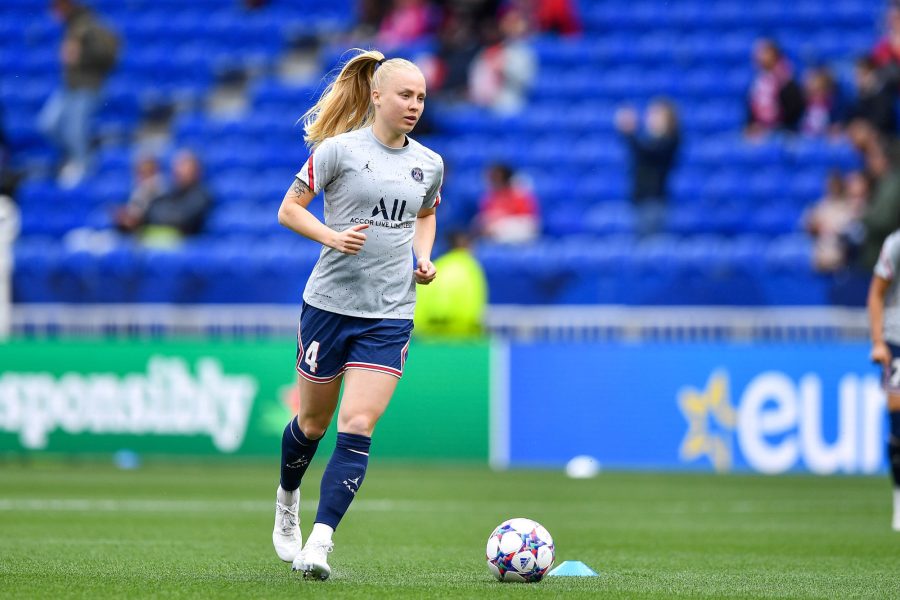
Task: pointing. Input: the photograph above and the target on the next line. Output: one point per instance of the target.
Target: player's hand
(425, 272)
(881, 354)
(350, 241)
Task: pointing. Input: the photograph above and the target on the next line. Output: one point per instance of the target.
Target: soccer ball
(520, 550)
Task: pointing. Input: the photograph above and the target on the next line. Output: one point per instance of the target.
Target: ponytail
(346, 104)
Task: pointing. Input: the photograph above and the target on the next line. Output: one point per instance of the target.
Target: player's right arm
(877, 291)
(294, 215)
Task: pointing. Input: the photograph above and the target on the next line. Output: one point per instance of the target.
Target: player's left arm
(877, 291)
(423, 242)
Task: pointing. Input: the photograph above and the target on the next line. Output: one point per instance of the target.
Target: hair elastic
(381, 61)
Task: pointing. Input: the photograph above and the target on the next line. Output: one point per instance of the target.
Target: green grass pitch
(185, 531)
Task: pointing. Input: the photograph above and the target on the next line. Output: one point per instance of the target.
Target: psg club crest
(417, 174)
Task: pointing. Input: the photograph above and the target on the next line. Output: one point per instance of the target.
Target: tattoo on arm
(300, 188)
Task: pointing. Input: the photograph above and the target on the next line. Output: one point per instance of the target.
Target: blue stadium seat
(599, 219)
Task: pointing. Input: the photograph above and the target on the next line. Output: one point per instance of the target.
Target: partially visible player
(884, 319)
(381, 190)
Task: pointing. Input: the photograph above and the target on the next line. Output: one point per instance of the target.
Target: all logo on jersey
(395, 214)
(386, 215)
(417, 174)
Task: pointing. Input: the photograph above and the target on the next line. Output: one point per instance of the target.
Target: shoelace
(328, 547)
(288, 518)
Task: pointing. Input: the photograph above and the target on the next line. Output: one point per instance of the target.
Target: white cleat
(313, 560)
(896, 524)
(286, 536)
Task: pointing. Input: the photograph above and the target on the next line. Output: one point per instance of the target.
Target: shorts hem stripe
(315, 379)
(374, 367)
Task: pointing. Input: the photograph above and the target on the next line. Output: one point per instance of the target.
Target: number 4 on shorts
(310, 358)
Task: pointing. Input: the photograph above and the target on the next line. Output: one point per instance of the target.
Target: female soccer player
(381, 191)
(884, 318)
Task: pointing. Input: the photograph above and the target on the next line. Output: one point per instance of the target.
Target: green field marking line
(779, 507)
(200, 506)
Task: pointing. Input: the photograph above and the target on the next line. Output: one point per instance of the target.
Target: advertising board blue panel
(768, 408)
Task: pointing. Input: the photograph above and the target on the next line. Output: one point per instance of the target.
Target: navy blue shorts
(329, 343)
(892, 375)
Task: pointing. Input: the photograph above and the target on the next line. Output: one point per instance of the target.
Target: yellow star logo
(701, 408)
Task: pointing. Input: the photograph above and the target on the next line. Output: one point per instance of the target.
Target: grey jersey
(886, 268)
(366, 182)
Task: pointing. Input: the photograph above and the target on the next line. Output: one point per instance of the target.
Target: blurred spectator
(653, 152)
(824, 109)
(775, 99)
(458, 44)
(180, 212)
(508, 212)
(406, 21)
(882, 215)
(501, 75)
(9, 177)
(870, 142)
(10, 225)
(863, 136)
(369, 13)
(828, 220)
(149, 186)
(857, 191)
(88, 53)
(454, 304)
(875, 98)
(886, 53)
(556, 16)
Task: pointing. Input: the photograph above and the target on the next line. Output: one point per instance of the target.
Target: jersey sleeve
(889, 259)
(433, 195)
(322, 166)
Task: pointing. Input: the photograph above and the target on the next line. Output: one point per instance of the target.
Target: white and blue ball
(520, 550)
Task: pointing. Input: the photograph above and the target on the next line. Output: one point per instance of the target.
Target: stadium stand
(732, 236)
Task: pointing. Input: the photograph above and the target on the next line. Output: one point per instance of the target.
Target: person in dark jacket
(653, 154)
(183, 210)
(875, 96)
(775, 99)
(88, 54)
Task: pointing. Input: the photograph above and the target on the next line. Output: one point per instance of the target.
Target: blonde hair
(346, 103)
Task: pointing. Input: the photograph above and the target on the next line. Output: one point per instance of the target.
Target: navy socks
(296, 453)
(343, 477)
(894, 448)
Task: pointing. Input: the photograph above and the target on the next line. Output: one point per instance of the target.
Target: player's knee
(311, 428)
(358, 424)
